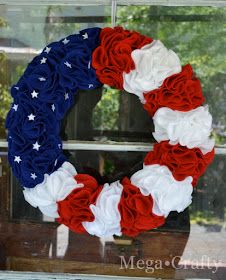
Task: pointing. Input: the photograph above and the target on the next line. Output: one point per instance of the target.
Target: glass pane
(197, 35)
(25, 30)
(109, 115)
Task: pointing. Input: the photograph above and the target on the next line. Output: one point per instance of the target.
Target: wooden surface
(26, 247)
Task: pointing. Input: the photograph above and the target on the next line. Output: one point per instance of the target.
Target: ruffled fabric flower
(191, 129)
(168, 194)
(20, 88)
(180, 92)
(36, 157)
(136, 210)
(62, 98)
(75, 70)
(41, 76)
(43, 120)
(55, 187)
(55, 51)
(180, 160)
(153, 64)
(106, 213)
(63, 101)
(75, 208)
(89, 36)
(113, 56)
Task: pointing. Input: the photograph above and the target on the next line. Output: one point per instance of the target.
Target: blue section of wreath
(42, 96)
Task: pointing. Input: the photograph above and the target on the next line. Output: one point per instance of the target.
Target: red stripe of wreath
(74, 209)
(136, 211)
(181, 161)
(182, 92)
(113, 56)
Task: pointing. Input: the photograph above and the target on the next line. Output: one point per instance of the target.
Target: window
(109, 135)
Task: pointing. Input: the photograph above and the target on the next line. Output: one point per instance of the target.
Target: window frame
(215, 3)
(112, 146)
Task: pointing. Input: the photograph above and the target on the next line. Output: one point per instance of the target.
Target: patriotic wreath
(171, 94)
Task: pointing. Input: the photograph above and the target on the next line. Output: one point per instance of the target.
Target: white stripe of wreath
(55, 187)
(168, 194)
(153, 64)
(191, 129)
(107, 216)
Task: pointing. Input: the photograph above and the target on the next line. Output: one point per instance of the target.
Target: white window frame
(112, 146)
(218, 3)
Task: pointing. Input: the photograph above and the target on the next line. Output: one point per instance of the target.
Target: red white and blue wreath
(171, 94)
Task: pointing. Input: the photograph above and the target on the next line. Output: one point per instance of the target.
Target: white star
(55, 163)
(59, 146)
(85, 36)
(42, 79)
(34, 94)
(67, 64)
(89, 64)
(66, 96)
(17, 159)
(36, 146)
(47, 49)
(15, 107)
(53, 107)
(43, 60)
(33, 176)
(31, 117)
(17, 88)
(65, 41)
(90, 85)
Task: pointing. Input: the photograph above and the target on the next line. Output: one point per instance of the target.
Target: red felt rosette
(74, 209)
(181, 161)
(113, 56)
(136, 211)
(180, 92)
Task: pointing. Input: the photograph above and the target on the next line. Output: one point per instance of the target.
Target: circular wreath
(171, 94)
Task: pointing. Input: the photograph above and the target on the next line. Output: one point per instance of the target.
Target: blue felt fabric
(66, 67)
